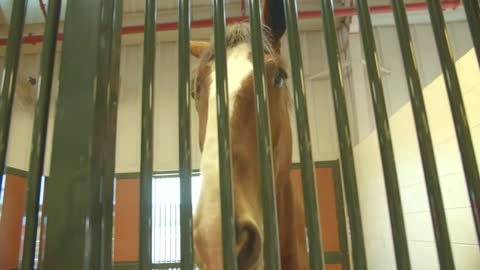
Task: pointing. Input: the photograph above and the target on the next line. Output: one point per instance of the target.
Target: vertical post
(421, 123)
(312, 218)
(9, 79)
(100, 168)
(472, 9)
(224, 147)
(271, 241)
(146, 160)
(112, 21)
(384, 137)
(344, 138)
(462, 129)
(39, 135)
(74, 197)
(186, 235)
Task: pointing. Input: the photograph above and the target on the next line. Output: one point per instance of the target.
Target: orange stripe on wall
(127, 208)
(11, 222)
(327, 205)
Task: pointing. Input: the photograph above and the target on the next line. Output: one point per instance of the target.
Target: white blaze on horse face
(239, 67)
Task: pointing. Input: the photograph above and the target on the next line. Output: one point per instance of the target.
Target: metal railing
(81, 185)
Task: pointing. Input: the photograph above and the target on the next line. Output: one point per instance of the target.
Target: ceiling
(167, 13)
(165, 7)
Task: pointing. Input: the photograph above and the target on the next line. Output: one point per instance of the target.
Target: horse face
(244, 143)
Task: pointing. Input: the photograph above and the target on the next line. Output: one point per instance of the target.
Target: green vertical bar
(462, 130)
(164, 228)
(472, 9)
(9, 79)
(103, 62)
(312, 218)
(186, 235)
(340, 210)
(74, 198)
(271, 242)
(39, 135)
(113, 20)
(384, 137)
(344, 138)
(170, 226)
(146, 162)
(421, 123)
(224, 147)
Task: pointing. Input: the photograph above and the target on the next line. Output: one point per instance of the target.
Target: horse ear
(274, 17)
(197, 48)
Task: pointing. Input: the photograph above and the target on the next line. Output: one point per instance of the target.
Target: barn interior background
(324, 138)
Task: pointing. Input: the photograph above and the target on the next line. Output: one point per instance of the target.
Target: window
(166, 217)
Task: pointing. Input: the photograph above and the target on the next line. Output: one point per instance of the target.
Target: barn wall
(166, 108)
(393, 75)
(166, 111)
(413, 192)
(320, 107)
(324, 137)
(11, 222)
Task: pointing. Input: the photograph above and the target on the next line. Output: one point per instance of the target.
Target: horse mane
(235, 34)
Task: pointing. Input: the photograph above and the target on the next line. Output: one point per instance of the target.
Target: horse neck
(291, 220)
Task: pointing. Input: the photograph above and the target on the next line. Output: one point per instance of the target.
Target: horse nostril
(248, 246)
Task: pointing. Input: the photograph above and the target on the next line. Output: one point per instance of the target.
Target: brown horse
(246, 175)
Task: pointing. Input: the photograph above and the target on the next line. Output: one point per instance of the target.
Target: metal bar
(271, 235)
(224, 146)
(164, 229)
(146, 162)
(312, 217)
(344, 138)
(421, 121)
(9, 79)
(170, 219)
(243, 7)
(154, 221)
(463, 135)
(74, 200)
(472, 9)
(168, 266)
(156, 210)
(306, 14)
(340, 210)
(185, 171)
(39, 136)
(112, 55)
(176, 237)
(101, 126)
(384, 137)
(43, 8)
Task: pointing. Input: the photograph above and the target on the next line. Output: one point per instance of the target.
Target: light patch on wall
(411, 179)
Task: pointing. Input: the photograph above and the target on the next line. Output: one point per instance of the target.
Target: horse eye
(280, 77)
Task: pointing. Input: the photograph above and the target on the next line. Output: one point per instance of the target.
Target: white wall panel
(318, 90)
(21, 123)
(393, 77)
(129, 113)
(320, 108)
(412, 183)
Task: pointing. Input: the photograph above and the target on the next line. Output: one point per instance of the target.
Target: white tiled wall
(418, 222)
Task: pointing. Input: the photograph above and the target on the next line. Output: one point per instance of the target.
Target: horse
(245, 161)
